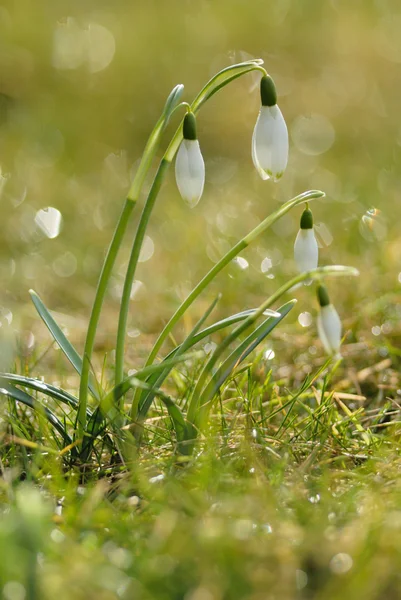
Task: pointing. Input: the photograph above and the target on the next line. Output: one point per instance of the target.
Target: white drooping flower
(270, 136)
(189, 164)
(328, 323)
(306, 251)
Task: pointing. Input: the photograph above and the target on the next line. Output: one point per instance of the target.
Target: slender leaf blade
(61, 339)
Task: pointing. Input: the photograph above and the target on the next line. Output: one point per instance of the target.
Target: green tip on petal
(323, 296)
(268, 94)
(189, 127)
(306, 219)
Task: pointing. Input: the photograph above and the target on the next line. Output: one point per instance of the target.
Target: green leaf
(61, 339)
(157, 380)
(128, 383)
(241, 353)
(21, 396)
(42, 388)
(172, 102)
(224, 77)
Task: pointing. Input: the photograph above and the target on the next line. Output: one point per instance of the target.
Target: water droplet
(241, 262)
(147, 249)
(13, 590)
(314, 499)
(266, 264)
(341, 563)
(269, 354)
(305, 319)
(101, 47)
(372, 225)
(69, 43)
(49, 220)
(133, 333)
(301, 579)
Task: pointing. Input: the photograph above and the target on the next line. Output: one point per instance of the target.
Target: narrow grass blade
(122, 388)
(61, 339)
(157, 380)
(42, 388)
(224, 261)
(21, 396)
(224, 77)
(174, 411)
(172, 103)
(319, 273)
(240, 354)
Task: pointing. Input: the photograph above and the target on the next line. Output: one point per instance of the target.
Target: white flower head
(306, 251)
(328, 323)
(189, 164)
(270, 136)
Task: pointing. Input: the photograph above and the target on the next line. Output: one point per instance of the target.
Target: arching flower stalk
(306, 251)
(270, 136)
(189, 164)
(328, 323)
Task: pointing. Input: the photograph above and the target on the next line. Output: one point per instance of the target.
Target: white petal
(329, 329)
(306, 251)
(270, 143)
(190, 171)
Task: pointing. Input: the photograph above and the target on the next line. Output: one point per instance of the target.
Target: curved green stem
(227, 258)
(132, 197)
(216, 83)
(307, 275)
(95, 314)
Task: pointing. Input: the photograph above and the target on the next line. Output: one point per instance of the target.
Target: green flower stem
(95, 314)
(216, 83)
(133, 262)
(318, 273)
(227, 258)
(132, 197)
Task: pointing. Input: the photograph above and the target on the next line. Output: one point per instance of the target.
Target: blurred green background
(82, 84)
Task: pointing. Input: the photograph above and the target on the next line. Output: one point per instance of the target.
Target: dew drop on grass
(147, 249)
(266, 264)
(301, 579)
(341, 563)
(372, 225)
(134, 333)
(101, 47)
(305, 319)
(49, 221)
(13, 590)
(241, 262)
(267, 528)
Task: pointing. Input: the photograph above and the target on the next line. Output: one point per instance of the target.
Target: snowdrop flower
(328, 323)
(189, 165)
(270, 136)
(306, 251)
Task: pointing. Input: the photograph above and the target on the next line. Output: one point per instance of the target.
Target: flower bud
(306, 251)
(328, 323)
(270, 136)
(189, 164)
